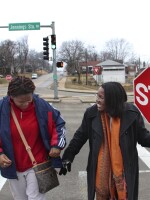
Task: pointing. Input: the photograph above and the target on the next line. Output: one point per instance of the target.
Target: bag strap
(28, 148)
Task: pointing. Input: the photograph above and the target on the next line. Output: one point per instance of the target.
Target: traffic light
(53, 41)
(46, 48)
(59, 64)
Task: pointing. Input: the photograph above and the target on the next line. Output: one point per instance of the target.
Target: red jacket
(47, 122)
(29, 125)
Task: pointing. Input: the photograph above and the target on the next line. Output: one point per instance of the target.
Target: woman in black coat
(113, 128)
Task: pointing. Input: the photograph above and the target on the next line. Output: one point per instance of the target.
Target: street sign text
(24, 26)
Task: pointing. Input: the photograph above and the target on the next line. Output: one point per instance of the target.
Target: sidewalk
(61, 87)
(84, 99)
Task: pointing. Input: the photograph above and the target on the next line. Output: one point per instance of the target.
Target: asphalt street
(72, 105)
(73, 185)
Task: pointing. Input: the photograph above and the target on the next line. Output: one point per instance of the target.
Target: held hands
(65, 168)
(54, 152)
(66, 165)
(4, 161)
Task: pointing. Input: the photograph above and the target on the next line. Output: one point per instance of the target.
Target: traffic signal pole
(37, 26)
(46, 48)
(54, 66)
(53, 47)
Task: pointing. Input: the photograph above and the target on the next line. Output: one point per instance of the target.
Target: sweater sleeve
(57, 130)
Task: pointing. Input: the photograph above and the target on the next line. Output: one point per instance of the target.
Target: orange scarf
(110, 180)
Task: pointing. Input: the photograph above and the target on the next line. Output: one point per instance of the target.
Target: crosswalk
(77, 182)
(143, 153)
(2, 182)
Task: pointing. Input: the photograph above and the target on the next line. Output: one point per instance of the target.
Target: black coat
(132, 131)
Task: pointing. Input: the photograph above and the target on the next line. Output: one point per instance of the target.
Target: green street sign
(24, 26)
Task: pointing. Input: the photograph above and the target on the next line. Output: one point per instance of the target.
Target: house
(112, 71)
(131, 69)
(89, 65)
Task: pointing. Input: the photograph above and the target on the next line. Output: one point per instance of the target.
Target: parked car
(34, 76)
(1, 76)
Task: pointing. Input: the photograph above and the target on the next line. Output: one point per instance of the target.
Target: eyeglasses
(99, 97)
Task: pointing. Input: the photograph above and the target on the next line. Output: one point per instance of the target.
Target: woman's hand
(4, 161)
(54, 152)
(65, 168)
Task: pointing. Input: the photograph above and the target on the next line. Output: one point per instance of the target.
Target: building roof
(89, 63)
(109, 63)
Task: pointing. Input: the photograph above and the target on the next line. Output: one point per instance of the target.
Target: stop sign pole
(142, 93)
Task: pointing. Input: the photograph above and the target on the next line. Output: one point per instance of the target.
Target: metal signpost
(36, 26)
(97, 70)
(54, 65)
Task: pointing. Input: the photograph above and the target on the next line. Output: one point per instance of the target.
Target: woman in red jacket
(43, 128)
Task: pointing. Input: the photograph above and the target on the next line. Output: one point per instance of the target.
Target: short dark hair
(115, 97)
(20, 85)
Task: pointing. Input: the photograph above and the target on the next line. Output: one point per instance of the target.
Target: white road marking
(144, 171)
(2, 182)
(144, 155)
(83, 184)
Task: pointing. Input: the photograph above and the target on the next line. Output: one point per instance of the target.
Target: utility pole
(139, 63)
(86, 66)
(54, 65)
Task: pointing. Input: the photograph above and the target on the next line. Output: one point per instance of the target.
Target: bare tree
(7, 54)
(104, 55)
(133, 58)
(36, 62)
(119, 49)
(92, 54)
(15, 57)
(22, 49)
(72, 52)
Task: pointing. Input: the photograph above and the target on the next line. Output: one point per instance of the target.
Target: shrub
(74, 80)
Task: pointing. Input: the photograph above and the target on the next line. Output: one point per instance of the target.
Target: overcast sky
(94, 22)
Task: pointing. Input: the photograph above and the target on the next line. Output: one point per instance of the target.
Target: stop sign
(142, 93)
(97, 70)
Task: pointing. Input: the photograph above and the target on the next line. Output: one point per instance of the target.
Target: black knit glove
(65, 168)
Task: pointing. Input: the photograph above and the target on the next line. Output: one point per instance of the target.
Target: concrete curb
(82, 99)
